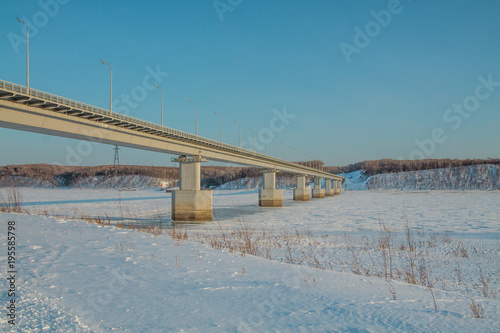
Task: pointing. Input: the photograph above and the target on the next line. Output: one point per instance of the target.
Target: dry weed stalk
(410, 248)
(392, 290)
(477, 309)
(385, 245)
(484, 287)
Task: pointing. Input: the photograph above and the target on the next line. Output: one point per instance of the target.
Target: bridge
(31, 110)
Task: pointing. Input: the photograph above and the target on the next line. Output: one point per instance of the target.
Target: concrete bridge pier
(190, 203)
(318, 192)
(337, 186)
(301, 193)
(269, 196)
(329, 190)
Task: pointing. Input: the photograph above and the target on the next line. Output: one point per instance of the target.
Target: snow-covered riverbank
(80, 277)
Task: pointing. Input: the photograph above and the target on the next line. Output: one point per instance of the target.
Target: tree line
(390, 165)
(217, 175)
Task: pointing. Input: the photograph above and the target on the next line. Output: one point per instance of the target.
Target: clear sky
(351, 80)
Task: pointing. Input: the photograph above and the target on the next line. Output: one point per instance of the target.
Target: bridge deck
(37, 102)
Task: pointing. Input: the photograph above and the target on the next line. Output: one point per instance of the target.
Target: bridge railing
(23, 90)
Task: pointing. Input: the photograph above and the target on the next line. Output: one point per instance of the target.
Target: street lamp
(196, 115)
(281, 143)
(217, 114)
(157, 86)
(27, 54)
(111, 84)
(239, 126)
(254, 140)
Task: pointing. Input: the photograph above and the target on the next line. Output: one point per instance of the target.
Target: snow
(80, 277)
(355, 180)
(474, 177)
(256, 182)
(95, 182)
(129, 181)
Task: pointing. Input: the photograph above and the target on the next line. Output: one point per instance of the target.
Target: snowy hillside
(130, 181)
(96, 182)
(355, 180)
(475, 177)
(19, 181)
(256, 182)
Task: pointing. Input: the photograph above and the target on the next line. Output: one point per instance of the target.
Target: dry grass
(402, 255)
(409, 273)
(178, 235)
(459, 250)
(386, 245)
(243, 239)
(11, 201)
(96, 220)
(477, 309)
(391, 254)
(484, 284)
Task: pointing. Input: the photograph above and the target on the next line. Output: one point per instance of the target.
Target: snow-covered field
(327, 272)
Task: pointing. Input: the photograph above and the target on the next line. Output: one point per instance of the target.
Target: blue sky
(248, 60)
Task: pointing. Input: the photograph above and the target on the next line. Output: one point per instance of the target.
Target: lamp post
(111, 84)
(218, 114)
(254, 140)
(27, 54)
(157, 86)
(196, 115)
(281, 143)
(239, 127)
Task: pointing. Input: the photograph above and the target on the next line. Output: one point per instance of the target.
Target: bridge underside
(47, 122)
(34, 119)
(190, 203)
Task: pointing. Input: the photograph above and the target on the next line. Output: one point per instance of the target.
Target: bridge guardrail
(19, 89)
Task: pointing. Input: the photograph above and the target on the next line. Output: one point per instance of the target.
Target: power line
(117, 157)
